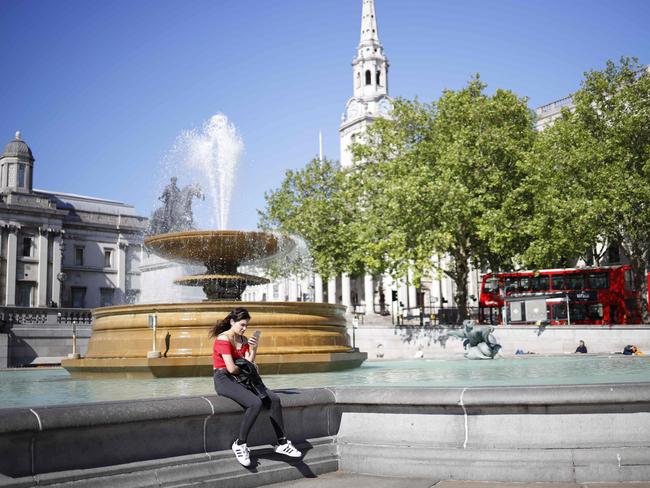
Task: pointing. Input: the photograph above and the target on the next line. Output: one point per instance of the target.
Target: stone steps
(220, 469)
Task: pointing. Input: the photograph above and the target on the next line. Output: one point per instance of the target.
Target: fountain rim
(250, 246)
(197, 233)
(253, 307)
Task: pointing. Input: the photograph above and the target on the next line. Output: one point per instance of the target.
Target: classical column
(368, 291)
(318, 288)
(41, 300)
(331, 290)
(412, 291)
(12, 255)
(293, 290)
(57, 257)
(345, 290)
(121, 271)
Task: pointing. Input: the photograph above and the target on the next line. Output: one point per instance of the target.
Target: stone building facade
(63, 250)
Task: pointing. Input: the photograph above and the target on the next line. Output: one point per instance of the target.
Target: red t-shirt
(222, 346)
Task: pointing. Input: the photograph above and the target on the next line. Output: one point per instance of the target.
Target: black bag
(250, 378)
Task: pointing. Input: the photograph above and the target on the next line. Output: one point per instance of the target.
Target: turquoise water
(38, 387)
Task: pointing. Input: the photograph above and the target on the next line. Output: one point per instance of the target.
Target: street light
(74, 354)
(153, 322)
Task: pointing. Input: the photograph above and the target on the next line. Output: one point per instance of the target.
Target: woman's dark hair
(240, 313)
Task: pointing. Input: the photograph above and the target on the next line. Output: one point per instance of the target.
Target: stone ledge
(596, 432)
(501, 465)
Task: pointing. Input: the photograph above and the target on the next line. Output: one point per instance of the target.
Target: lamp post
(74, 354)
(153, 322)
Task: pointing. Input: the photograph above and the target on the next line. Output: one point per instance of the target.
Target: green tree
(432, 181)
(589, 174)
(311, 203)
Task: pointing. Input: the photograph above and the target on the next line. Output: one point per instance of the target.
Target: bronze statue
(478, 340)
(176, 213)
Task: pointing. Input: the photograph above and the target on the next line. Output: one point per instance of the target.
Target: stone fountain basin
(202, 247)
(297, 337)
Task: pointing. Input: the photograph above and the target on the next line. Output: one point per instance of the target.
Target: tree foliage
(589, 174)
(311, 203)
(433, 178)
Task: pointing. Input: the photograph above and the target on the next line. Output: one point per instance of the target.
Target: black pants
(226, 386)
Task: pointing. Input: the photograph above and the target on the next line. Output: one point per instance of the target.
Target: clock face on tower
(385, 106)
(355, 109)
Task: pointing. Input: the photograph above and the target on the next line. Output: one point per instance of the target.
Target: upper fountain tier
(219, 250)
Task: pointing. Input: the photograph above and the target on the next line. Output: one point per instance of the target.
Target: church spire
(370, 84)
(369, 32)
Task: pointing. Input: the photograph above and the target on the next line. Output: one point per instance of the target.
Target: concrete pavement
(340, 479)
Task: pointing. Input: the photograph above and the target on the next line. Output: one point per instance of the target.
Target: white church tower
(370, 82)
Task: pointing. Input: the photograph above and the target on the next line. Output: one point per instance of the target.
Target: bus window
(558, 311)
(557, 282)
(578, 311)
(629, 282)
(524, 283)
(595, 311)
(598, 281)
(491, 285)
(539, 283)
(574, 282)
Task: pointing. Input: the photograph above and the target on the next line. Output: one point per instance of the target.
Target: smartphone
(257, 335)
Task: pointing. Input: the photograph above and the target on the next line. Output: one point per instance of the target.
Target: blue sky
(102, 89)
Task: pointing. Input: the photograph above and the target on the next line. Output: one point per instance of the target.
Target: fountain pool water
(21, 388)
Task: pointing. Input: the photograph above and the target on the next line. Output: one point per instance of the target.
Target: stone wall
(404, 342)
(556, 434)
(42, 335)
(32, 346)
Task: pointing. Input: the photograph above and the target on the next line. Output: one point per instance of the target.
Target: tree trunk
(460, 275)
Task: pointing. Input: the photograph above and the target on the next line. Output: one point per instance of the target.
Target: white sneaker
(242, 453)
(288, 450)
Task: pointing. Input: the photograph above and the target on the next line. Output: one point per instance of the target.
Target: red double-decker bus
(560, 296)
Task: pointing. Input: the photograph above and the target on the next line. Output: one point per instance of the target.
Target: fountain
(297, 337)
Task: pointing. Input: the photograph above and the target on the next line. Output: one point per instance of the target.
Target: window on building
(368, 77)
(78, 296)
(358, 80)
(108, 258)
(79, 256)
(21, 176)
(614, 254)
(106, 297)
(378, 78)
(27, 246)
(25, 294)
(276, 291)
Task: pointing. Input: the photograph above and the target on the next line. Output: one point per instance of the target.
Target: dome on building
(18, 149)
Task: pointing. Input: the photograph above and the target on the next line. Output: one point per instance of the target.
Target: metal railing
(434, 315)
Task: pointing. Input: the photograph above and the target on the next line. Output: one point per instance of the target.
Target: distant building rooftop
(89, 204)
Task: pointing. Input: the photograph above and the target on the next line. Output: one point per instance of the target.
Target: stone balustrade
(46, 316)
